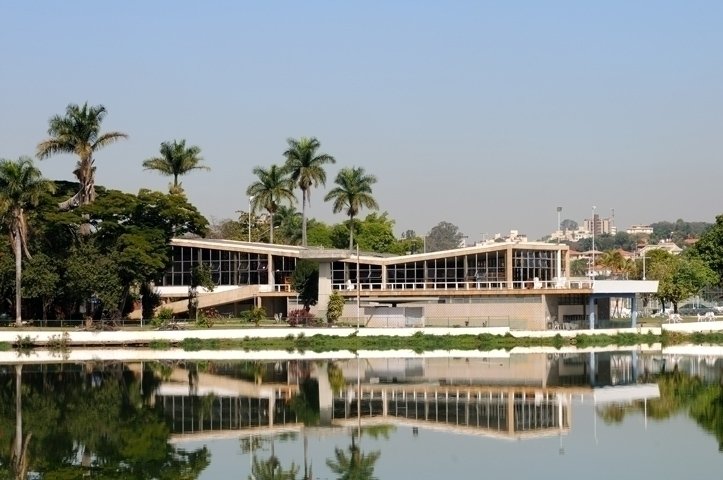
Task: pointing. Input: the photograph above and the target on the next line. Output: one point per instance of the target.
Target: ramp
(209, 299)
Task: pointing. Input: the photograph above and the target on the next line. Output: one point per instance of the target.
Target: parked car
(691, 309)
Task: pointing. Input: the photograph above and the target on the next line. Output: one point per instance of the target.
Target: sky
(488, 115)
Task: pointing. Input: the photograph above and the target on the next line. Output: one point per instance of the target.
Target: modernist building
(518, 285)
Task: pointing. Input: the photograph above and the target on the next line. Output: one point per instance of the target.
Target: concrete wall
(506, 313)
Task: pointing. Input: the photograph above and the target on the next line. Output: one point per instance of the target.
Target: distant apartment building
(600, 226)
(640, 230)
(513, 237)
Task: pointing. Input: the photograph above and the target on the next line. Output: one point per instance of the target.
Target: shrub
(300, 316)
(334, 308)
(255, 315)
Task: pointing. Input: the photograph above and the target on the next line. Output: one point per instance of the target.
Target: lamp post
(250, 200)
(592, 223)
(358, 294)
(559, 227)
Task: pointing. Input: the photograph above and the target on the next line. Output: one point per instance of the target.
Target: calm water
(622, 414)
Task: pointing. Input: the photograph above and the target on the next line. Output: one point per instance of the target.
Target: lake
(630, 413)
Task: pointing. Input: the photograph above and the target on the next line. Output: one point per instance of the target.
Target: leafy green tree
(21, 185)
(376, 233)
(679, 276)
(710, 247)
(443, 236)
(568, 224)
(334, 308)
(227, 229)
(578, 267)
(78, 132)
(200, 277)
(305, 281)
(352, 193)
(320, 234)
(176, 159)
(306, 168)
(42, 281)
(89, 274)
(274, 186)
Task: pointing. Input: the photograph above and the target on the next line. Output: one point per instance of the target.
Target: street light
(250, 200)
(559, 227)
(358, 293)
(592, 222)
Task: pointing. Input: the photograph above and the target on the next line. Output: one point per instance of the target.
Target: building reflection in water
(506, 396)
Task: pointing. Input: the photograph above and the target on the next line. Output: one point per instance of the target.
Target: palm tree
(307, 170)
(272, 187)
(21, 186)
(176, 159)
(353, 192)
(271, 469)
(356, 465)
(78, 132)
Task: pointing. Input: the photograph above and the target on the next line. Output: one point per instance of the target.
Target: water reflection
(156, 419)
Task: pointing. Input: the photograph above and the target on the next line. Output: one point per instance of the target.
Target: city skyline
(486, 115)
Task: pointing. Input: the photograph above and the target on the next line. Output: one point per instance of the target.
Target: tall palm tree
(21, 186)
(274, 185)
(353, 192)
(306, 168)
(78, 132)
(176, 159)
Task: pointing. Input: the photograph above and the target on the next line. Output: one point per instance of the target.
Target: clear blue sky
(488, 115)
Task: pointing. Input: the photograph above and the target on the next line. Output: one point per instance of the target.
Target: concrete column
(510, 412)
(591, 311)
(508, 266)
(324, 285)
(272, 271)
(558, 259)
(384, 277)
(593, 369)
(567, 263)
(634, 310)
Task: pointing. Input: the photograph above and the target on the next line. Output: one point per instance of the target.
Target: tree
(272, 187)
(271, 469)
(200, 277)
(42, 281)
(614, 260)
(710, 247)
(176, 159)
(21, 185)
(578, 267)
(78, 132)
(289, 222)
(306, 168)
(679, 276)
(443, 236)
(354, 466)
(353, 192)
(568, 224)
(305, 281)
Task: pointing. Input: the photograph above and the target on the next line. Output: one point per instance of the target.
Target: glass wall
(227, 268)
(533, 268)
